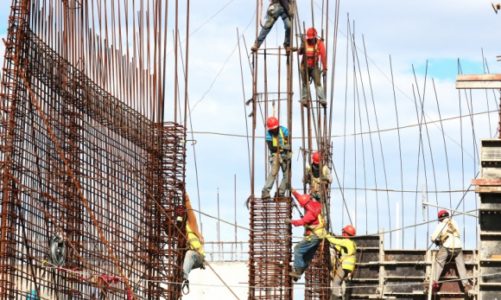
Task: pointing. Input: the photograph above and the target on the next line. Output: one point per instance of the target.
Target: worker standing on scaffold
(343, 259)
(276, 9)
(314, 176)
(313, 49)
(446, 236)
(277, 139)
(314, 225)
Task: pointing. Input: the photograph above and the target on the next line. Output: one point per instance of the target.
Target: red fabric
(312, 210)
(313, 56)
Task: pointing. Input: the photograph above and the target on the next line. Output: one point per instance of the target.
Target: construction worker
(313, 176)
(277, 139)
(343, 259)
(276, 9)
(313, 49)
(447, 237)
(195, 256)
(314, 224)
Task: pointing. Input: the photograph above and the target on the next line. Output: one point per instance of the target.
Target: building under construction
(93, 163)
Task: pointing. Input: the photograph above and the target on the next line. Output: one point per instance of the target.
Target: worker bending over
(343, 259)
(447, 237)
(314, 225)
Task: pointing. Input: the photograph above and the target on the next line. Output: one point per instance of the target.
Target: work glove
(324, 73)
(287, 221)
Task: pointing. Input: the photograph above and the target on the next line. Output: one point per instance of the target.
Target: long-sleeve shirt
(447, 232)
(313, 53)
(346, 249)
(312, 219)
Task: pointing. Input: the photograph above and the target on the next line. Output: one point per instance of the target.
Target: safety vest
(347, 249)
(311, 54)
(317, 229)
(450, 230)
(275, 140)
(193, 241)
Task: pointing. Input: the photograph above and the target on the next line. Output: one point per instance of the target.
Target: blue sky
(412, 33)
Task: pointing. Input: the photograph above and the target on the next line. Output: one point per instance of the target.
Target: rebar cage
(89, 186)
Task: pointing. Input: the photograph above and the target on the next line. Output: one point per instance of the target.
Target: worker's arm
(309, 217)
(438, 231)
(326, 174)
(322, 54)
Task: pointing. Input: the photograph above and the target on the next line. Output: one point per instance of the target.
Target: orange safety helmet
(442, 214)
(272, 123)
(349, 230)
(315, 157)
(311, 33)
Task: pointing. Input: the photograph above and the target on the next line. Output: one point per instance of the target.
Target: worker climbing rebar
(314, 224)
(447, 237)
(312, 50)
(277, 139)
(314, 176)
(276, 9)
(343, 259)
(195, 256)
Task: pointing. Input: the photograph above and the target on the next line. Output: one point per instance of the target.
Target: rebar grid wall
(269, 249)
(79, 163)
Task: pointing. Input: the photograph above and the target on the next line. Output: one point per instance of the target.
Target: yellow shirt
(193, 241)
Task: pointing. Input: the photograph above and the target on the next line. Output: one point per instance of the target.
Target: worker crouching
(343, 259)
(314, 224)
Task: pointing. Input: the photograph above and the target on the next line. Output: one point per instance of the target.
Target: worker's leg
(284, 184)
(304, 251)
(271, 18)
(270, 180)
(440, 262)
(287, 27)
(458, 253)
(318, 85)
(336, 292)
(305, 79)
(189, 261)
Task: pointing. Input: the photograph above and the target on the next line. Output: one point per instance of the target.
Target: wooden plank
(478, 81)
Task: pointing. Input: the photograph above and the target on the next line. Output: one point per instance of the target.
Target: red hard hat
(349, 230)
(272, 123)
(443, 213)
(311, 33)
(315, 157)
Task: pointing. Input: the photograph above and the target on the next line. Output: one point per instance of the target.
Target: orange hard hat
(271, 123)
(311, 33)
(349, 230)
(315, 157)
(443, 213)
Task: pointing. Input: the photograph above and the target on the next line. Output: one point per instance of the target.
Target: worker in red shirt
(313, 50)
(314, 225)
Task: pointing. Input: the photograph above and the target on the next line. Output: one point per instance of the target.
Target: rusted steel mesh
(79, 164)
(270, 249)
(317, 278)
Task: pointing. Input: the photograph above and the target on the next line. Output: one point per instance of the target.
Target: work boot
(296, 274)
(434, 287)
(304, 103)
(467, 288)
(185, 287)
(322, 102)
(254, 47)
(265, 195)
